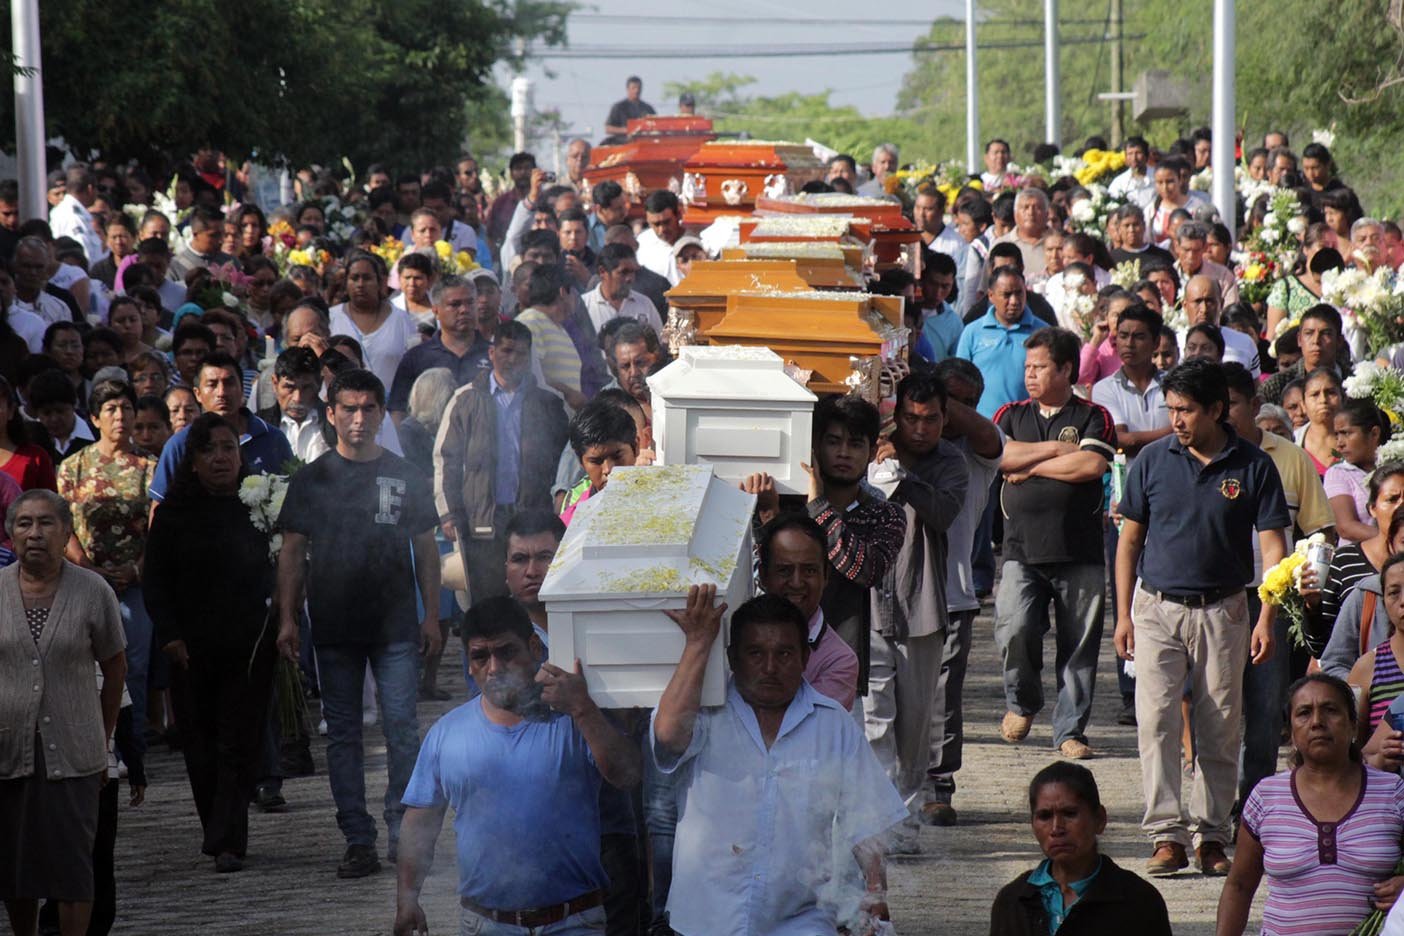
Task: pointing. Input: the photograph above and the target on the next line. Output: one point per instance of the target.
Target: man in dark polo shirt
(1058, 449)
(456, 345)
(1191, 504)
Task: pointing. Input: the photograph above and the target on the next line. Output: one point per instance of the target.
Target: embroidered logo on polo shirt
(1069, 434)
(1231, 489)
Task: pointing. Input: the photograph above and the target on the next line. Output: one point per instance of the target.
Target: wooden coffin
(727, 176)
(839, 337)
(891, 232)
(703, 293)
(651, 158)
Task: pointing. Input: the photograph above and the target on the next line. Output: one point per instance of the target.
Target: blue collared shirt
(1200, 518)
(998, 350)
(1051, 892)
(770, 832)
(509, 440)
(265, 450)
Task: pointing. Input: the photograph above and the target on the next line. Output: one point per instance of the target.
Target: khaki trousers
(1210, 646)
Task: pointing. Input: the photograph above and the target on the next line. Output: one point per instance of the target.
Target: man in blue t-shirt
(521, 764)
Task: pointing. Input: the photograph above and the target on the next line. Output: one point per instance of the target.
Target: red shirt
(31, 468)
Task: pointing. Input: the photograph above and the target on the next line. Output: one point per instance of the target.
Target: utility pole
(1053, 104)
(972, 94)
(29, 109)
(521, 99)
(1118, 128)
(1223, 129)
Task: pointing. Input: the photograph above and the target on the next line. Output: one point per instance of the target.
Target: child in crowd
(1360, 430)
(604, 437)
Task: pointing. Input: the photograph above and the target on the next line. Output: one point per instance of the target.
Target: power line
(791, 21)
(797, 50)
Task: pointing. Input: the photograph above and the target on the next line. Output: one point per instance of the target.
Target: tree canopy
(295, 80)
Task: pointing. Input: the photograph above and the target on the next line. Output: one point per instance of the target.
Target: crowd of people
(261, 466)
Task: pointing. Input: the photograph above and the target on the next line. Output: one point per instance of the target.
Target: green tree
(792, 116)
(1298, 61)
(295, 80)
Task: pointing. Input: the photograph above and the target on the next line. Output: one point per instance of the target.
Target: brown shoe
(1073, 749)
(1015, 728)
(1168, 858)
(1211, 859)
(938, 814)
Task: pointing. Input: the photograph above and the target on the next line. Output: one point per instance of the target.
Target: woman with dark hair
(1361, 428)
(250, 225)
(1353, 562)
(1204, 341)
(1326, 833)
(208, 596)
(1301, 289)
(106, 483)
(1323, 394)
(20, 458)
(1076, 890)
(1341, 208)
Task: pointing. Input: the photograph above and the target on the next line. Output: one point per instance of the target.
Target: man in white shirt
(884, 162)
(297, 379)
(1135, 185)
(1030, 226)
(996, 174)
(70, 217)
(1204, 303)
(664, 216)
(31, 264)
(776, 788)
(1191, 243)
(615, 297)
(438, 198)
(929, 215)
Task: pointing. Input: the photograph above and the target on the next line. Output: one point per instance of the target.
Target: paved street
(289, 887)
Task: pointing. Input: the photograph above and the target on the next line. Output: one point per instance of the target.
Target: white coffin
(736, 409)
(631, 552)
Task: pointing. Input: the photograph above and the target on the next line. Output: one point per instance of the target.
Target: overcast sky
(584, 88)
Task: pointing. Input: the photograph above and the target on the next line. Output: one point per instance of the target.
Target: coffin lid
(729, 372)
(652, 533)
(753, 154)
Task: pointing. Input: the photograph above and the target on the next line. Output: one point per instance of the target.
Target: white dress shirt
(769, 832)
(306, 439)
(636, 306)
(49, 308)
(657, 255)
(29, 327)
(1139, 190)
(70, 219)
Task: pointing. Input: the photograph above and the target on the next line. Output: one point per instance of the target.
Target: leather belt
(1196, 600)
(538, 916)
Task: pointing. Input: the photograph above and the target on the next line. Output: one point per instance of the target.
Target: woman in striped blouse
(1327, 833)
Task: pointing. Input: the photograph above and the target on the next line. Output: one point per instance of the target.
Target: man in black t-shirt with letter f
(358, 532)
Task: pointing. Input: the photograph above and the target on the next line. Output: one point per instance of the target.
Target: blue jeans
(1078, 595)
(577, 924)
(1264, 704)
(140, 639)
(660, 799)
(342, 668)
(1125, 683)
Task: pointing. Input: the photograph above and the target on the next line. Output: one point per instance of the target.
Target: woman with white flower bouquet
(209, 584)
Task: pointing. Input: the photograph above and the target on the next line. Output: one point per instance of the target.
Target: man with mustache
(522, 766)
(774, 785)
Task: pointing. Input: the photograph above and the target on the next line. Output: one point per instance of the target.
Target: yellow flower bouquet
(1282, 587)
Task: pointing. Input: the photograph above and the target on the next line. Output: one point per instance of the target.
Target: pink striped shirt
(1321, 875)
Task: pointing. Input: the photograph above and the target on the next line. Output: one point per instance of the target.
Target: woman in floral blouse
(106, 485)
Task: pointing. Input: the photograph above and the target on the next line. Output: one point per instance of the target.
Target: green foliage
(300, 80)
(1296, 59)
(792, 116)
